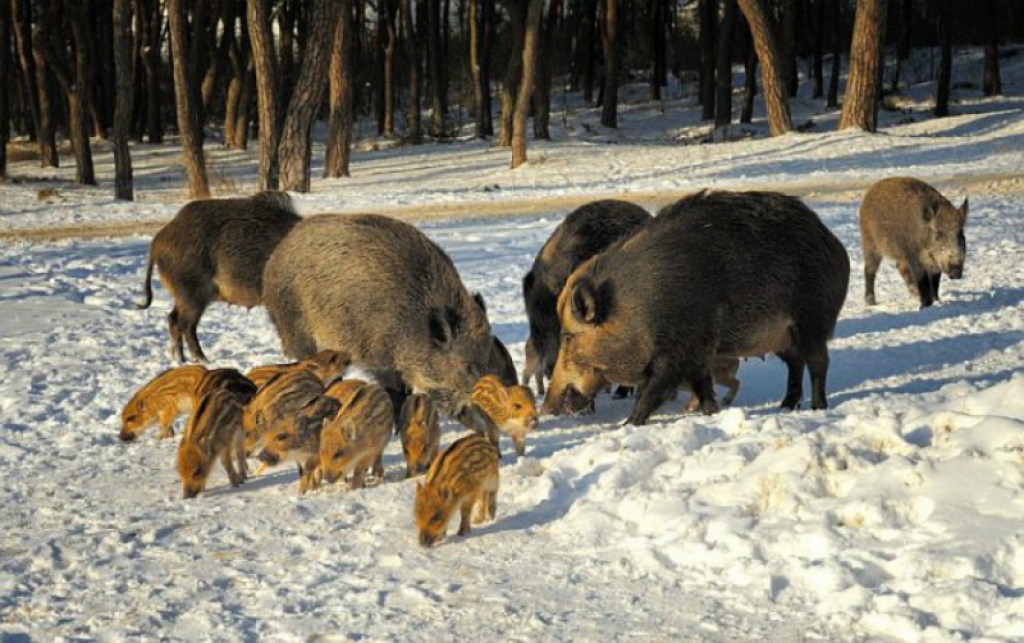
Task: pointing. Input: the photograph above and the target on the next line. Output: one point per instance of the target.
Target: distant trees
(231, 72)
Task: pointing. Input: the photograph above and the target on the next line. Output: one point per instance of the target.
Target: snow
(897, 515)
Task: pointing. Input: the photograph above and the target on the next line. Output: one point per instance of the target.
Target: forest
(234, 72)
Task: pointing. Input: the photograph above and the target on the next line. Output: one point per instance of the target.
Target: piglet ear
(964, 208)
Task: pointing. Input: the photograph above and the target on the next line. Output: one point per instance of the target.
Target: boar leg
(166, 421)
(653, 393)
(492, 504)
(917, 282)
(817, 364)
(190, 323)
(794, 380)
(177, 341)
(935, 285)
(240, 456)
(357, 480)
(229, 466)
(466, 510)
(872, 259)
(734, 387)
(378, 467)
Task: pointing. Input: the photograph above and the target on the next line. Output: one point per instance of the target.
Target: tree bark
(609, 43)
(479, 60)
(790, 46)
(5, 67)
(707, 14)
(779, 121)
(860, 104)
(295, 149)
(236, 67)
(533, 15)
(586, 56)
(103, 78)
(818, 63)
(413, 122)
(152, 24)
(542, 76)
(513, 71)
(723, 73)
(122, 42)
(342, 98)
(187, 103)
(837, 54)
(262, 41)
(946, 61)
(391, 35)
(657, 30)
(22, 28)
(993, 84)
(749, 76)
(438, 106)
(46, 130)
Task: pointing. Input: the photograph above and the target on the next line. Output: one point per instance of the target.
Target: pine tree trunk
(47, 129)
(532, 34)
(186, 103)
(513, 71)
(389, 71)
(104, 76)
(152, 22)
(946, 62)
(993, 84)
(236, 69)
(779, 121)
(609, 43)
(342, 98)
(657, 25)
(542, 76)
(122, 43)
(286, 15)
(262, 41)
(413, 122)
(295, 148)
(434, 54)
(707, 13)
(837, 54)
(790, 48)
(818, 62)
(487, 36)
(475, 38)
(723, 73)
(586, 55)
(749, 76)
(22, 28)
(860, 103)
(213, 71)
(5, 67)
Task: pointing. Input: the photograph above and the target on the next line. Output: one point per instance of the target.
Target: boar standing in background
(377, 289)
(717, 274)
(585, 232)
(908, 221)
(215, 250)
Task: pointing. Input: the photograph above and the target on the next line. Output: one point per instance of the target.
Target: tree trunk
(266, 89)
(707, 14)
(586, 48)
(286, 15)
(413, 123)
(122, 42)
(723, 74)
(860, 104)
(47, 129)
(993, 85)
(818, 63)
(946, 62)
(481, 93)
(152, 23)
(779, 121)
(295, 149)
(103, 80)
(529, 65)
(837, 54)
(186, 103)
(389, 70)
(22, 27)
(790, 46)
(542, 77)
(342, 98)
(5, 67)
(434, 45)
(236, 68)
(609, 42)
(657, 27)
(213, 70)
(749, 76)
(513, 71)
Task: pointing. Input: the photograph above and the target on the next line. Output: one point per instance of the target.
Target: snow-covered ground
(897, 515)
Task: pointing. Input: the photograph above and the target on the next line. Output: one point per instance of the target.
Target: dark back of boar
(909, 222)
(378, 290)
(729, 274)
(585, 232)
(215, 250)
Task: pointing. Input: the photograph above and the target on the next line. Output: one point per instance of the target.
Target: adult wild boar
(717, 274)
(908, 221)
(215, 250)
(381, 292)
(585, 232)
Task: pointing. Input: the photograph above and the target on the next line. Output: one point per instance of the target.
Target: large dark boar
(715, 275)
(381, 292)
(215, 250)
(586, 231)
(909, 222)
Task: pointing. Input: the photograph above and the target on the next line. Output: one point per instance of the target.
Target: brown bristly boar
(908, 221)
(509, 409)
(464, 477)
(327, 365)
(160, 401)
(420, 429)
(277, 401)
(353, 441)
(297, 439)
(214, 430)
(215, 250)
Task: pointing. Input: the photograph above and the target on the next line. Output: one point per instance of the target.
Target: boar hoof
(870, 300)
(790, 404)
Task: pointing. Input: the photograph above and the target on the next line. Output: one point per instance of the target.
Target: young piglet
(463, 477)
(298, 439)
(213, 430)
(420, 429)
(160, 401)
(354, 440)
(326, 365)
(509, 409)
(277, 401)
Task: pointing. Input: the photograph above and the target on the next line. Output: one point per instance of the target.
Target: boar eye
(437, 517)
(198, 471)
(517, 407)
(340, 453)
(282, 436)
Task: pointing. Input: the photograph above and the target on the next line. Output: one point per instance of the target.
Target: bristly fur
(464, 477)
(160, 401)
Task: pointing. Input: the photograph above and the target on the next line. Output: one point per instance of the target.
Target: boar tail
(148, 284)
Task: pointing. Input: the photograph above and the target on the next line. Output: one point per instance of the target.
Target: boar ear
(928, 213)
(591, 303)
(444, 326)
(479, 299)
(964, 208)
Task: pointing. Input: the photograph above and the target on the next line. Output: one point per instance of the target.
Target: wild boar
(160, 401)
(354, 440)
(585, 232)
(420, 429)
(297, 438)
(464, 477)
(380, 291)
(213, 430)
(508, 409)
(908, 221)
(277, 401)
(717, 274)
(215, 250)
(327, 365)
(225, 378)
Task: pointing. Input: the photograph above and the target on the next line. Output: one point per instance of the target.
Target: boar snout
(268, 458)
(188, 493)
(428, 539)
(956, 271)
